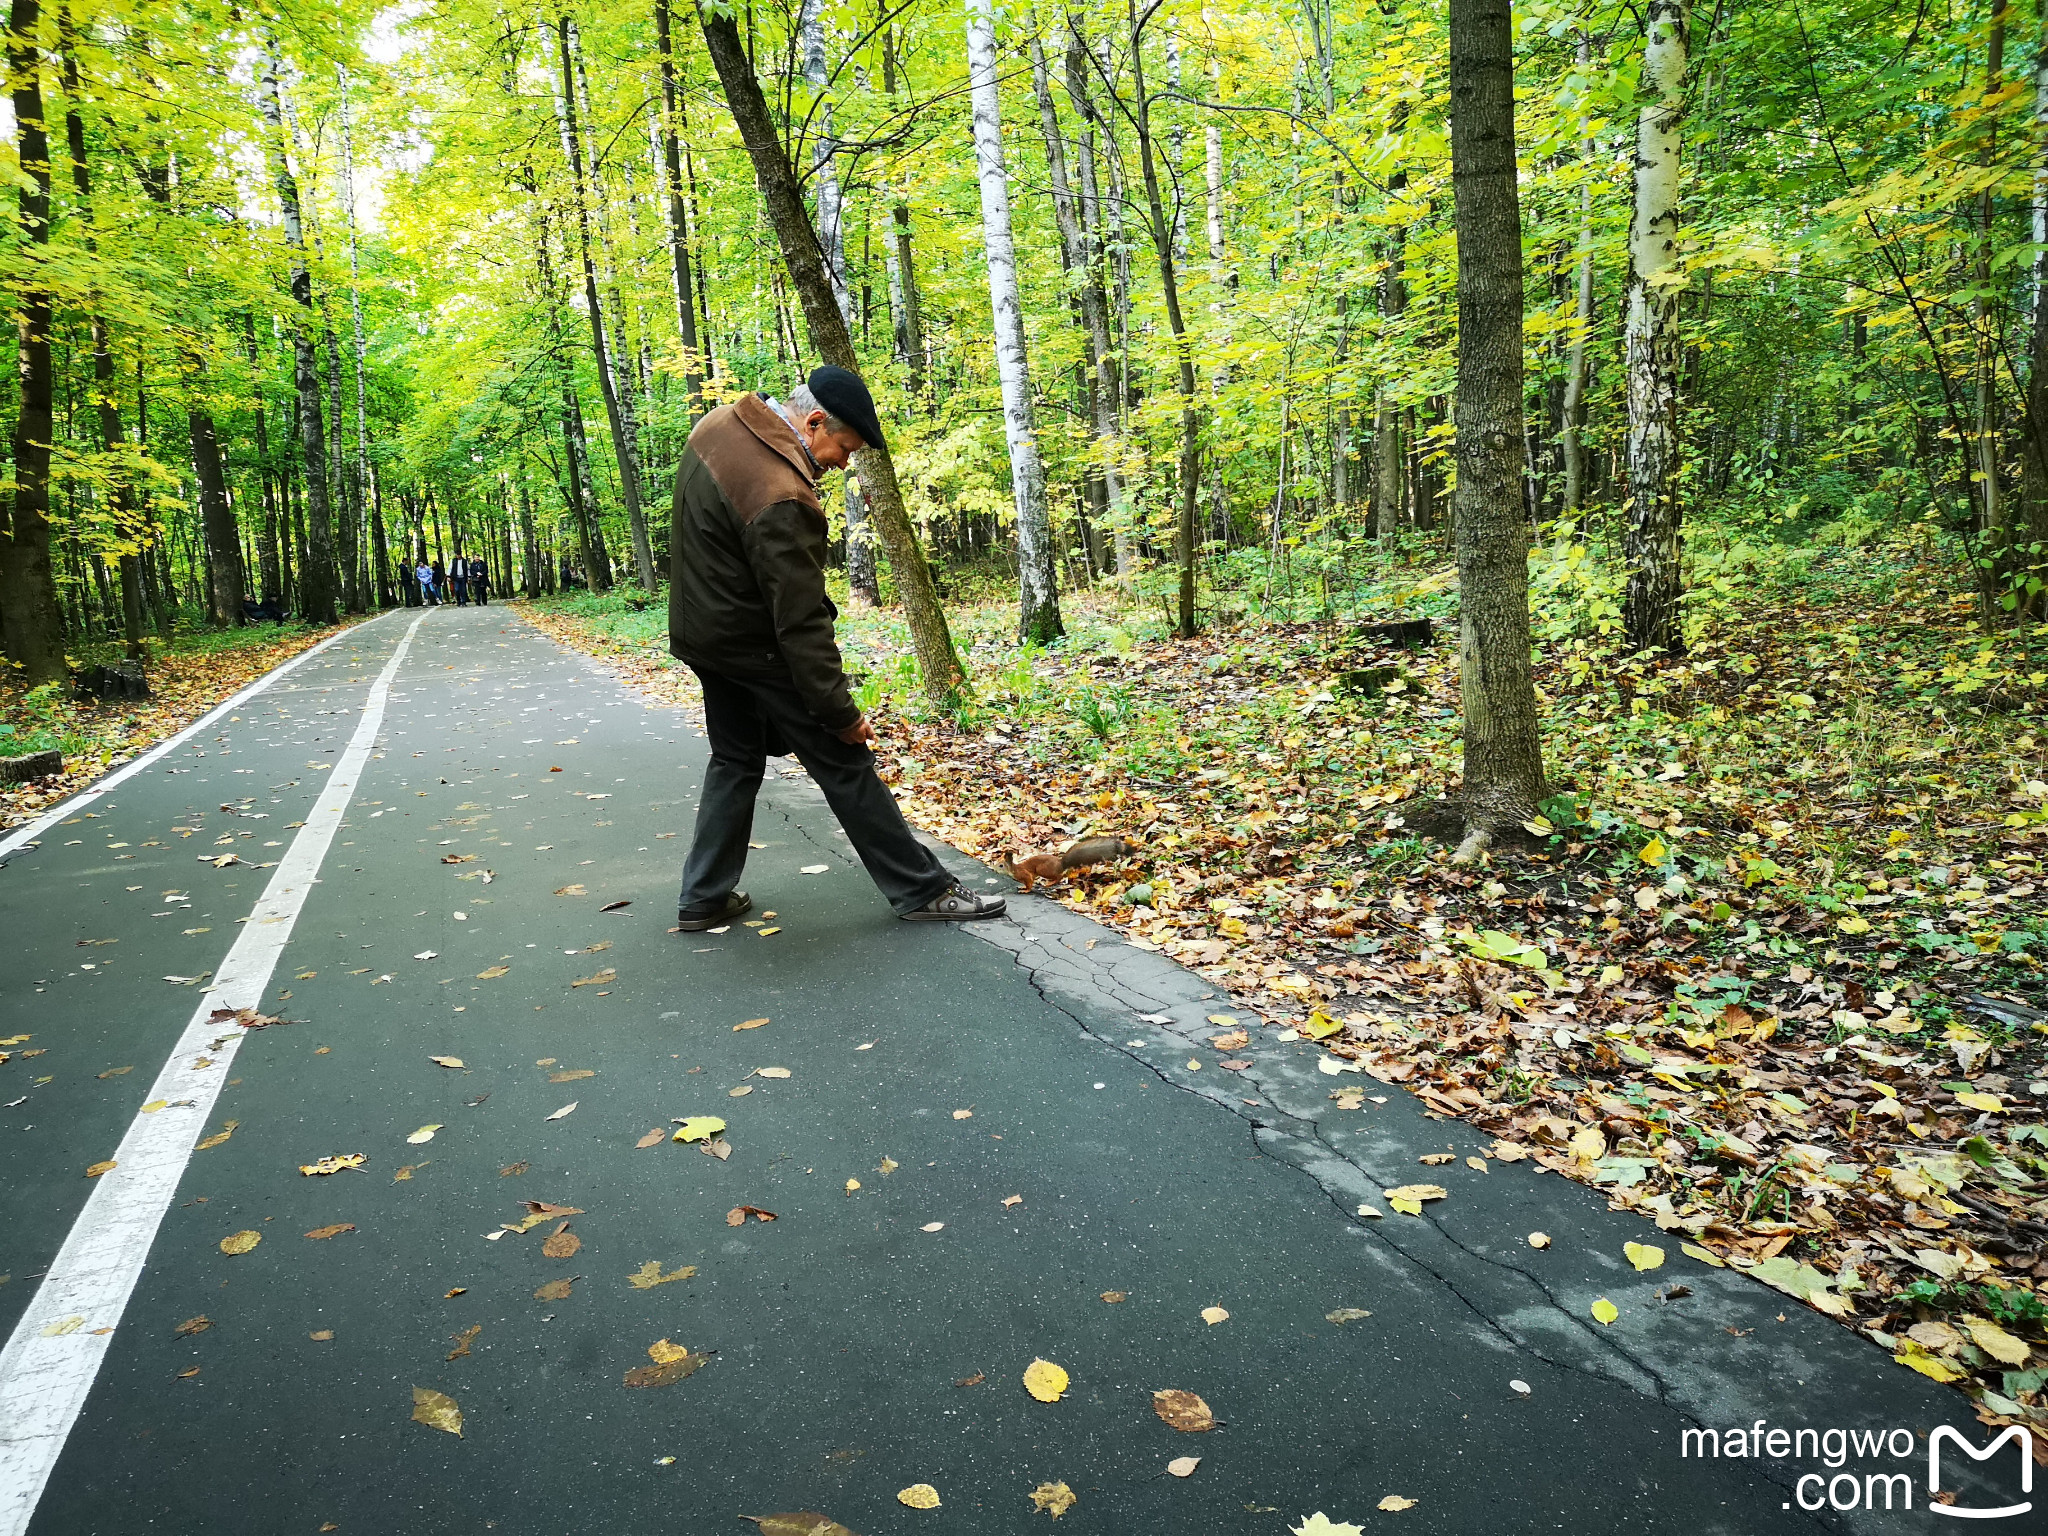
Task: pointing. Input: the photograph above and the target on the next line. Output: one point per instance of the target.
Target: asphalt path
(969, 1138)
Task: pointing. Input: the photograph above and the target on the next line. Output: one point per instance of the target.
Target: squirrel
(1030, 868)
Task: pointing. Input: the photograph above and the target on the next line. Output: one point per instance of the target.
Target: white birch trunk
(1037, 575)
(1651, 610)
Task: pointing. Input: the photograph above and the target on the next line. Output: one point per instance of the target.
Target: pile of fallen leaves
(101, 734)
(1768, 969)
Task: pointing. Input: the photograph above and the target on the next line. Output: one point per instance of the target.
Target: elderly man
(747, 610)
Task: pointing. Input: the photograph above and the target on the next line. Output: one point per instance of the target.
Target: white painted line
(49, 1364)
(86, 796)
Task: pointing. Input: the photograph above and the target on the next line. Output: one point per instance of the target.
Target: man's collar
(817, 469)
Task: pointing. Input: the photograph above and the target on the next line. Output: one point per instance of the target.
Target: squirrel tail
(1094, 850)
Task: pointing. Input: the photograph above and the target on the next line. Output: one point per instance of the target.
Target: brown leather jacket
(746, 593)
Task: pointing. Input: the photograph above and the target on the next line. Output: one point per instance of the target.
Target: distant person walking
(748, 611)
(458, 575)
(424, 574)
(480, 581)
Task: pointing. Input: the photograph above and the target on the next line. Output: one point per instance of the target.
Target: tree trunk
(678, 221)
(783, 198)
(1572, 424)
(382, 593)
(1109, 359)
(905, 306)
(1650, 612)
(860, 559)
(217, 517)
(31, 618)
(1086, 274)
(112, 438)
(1183, 345)
(2035, 414)
(269, 571)
(318, 592)
(1503, 773)
(1996, 568)
(623, 447)
(1390, 460)
(1038, 611)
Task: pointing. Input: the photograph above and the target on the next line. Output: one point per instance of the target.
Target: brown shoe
(694, 920)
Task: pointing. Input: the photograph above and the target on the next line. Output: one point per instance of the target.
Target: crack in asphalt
(1663, 1394)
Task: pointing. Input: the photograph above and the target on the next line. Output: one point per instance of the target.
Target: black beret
(840, 392)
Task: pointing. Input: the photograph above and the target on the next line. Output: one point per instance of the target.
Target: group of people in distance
(467, 576)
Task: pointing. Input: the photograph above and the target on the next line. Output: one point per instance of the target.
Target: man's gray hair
(802, 402)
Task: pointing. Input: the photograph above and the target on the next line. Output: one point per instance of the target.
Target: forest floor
(188, 675)
(1769, 971)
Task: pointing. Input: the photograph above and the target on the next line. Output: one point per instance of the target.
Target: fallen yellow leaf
(1214, 1315)
(1054, 1498)
(424, 1133)
(1393, 1503)
(1605, 1311)
(1644, 1256)
(699, 1128)
(436, 1410)
(336, 1164)
(919, 1496)
(446, 1061)
(1045, 1381)
(240, 1242)
(649, 1275)
(99, 1168)
(1183, 1466)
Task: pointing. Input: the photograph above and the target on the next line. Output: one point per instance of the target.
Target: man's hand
(858, 734)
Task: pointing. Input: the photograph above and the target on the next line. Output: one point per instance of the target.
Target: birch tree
(1650, 611)
(1038, 603)
(1503, 774)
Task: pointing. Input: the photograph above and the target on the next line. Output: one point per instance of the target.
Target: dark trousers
(461, 585)
(481, 586)
(743, 719)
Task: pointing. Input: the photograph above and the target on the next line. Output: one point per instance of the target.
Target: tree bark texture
(782, 197)
(1038, 614)
(31, 618)
(318, 584)
(1503, 752)
(1651, 615)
